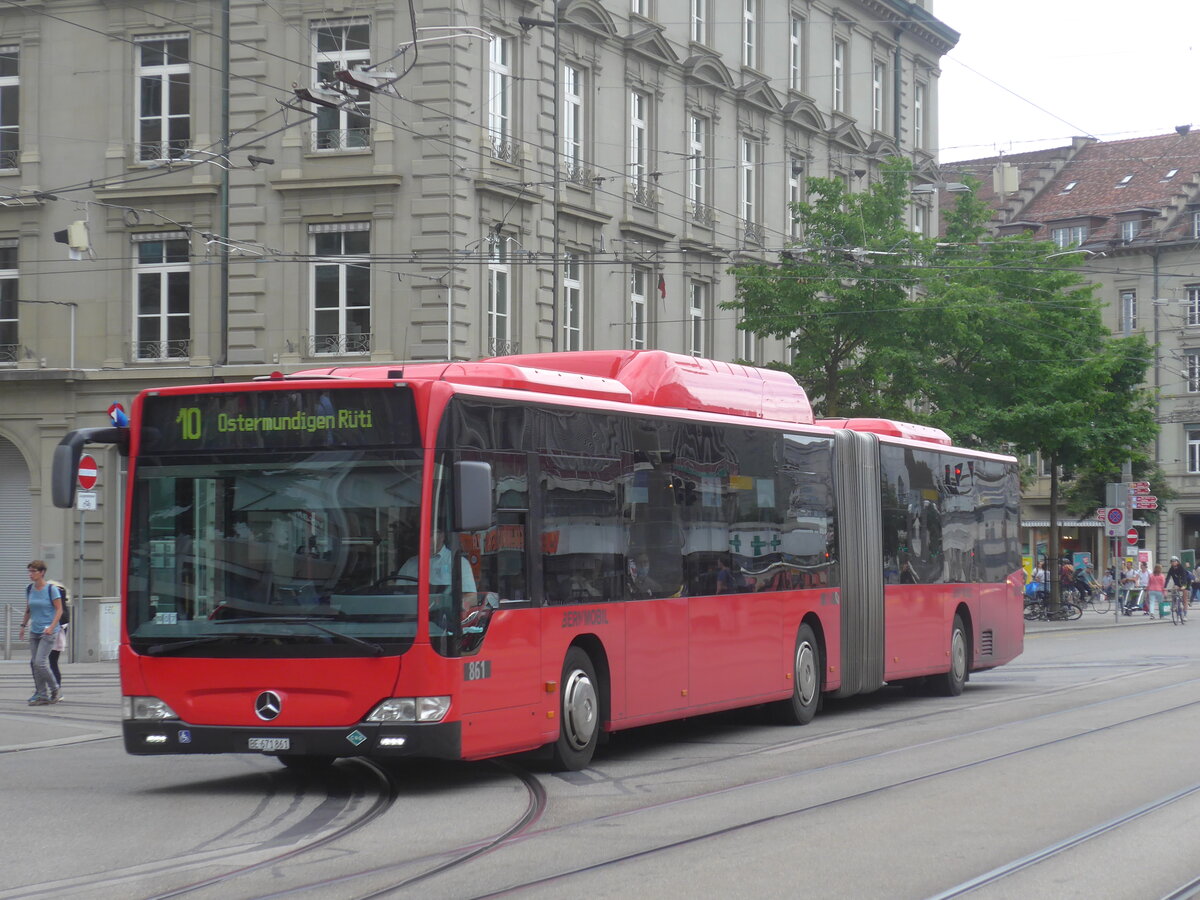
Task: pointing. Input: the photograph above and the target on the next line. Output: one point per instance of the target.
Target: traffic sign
(1131, 537)
(1139, 487)
(85, 500)
(1145, 502)
(88, 472)
(1114, 521)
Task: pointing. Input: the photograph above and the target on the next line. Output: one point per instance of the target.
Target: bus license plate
(270, 743)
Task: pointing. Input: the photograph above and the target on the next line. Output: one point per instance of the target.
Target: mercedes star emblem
(267, 705)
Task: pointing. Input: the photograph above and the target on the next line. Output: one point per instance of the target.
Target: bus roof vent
(677, 381)
(504, 373)
(891, 428)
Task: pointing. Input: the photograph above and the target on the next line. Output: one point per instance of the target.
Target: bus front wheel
(579, 713)
(800, 708)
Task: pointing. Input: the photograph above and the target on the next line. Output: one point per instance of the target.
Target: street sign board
(85, 500)
(1139, 487)
(88, 472)
(1131, 537)
(1114, 522)
(1145, 503)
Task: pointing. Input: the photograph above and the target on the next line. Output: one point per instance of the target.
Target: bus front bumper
(435, 741)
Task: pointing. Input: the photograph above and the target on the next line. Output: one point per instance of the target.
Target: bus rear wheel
(800, 708)
(579, 713)
(951, 683)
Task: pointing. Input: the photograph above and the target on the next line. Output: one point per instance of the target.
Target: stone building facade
(509, 177)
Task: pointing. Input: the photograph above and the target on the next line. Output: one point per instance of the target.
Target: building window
(796, 55)
(748, 163)
(700, 21)
(747, 345)
(1130, 229)
(750, 33)
(795, 195)
(920, 219)
(697, 164)
(637, 308)
(639, 6)
(697, 317)
(10, 108)
(572, 304)
(1193, 449)
(1193, 305)
(500, 98)
(919, 116)
(1128, 310)
(341, 289)
(1196, 225)
(639, 148)
(341, 46)
(1193, 372)
(572, 123)
(9, 321)
(1072, 236)
(164, 125)
(499, 298)
(878, 86)
(839, 75)
(162, 291)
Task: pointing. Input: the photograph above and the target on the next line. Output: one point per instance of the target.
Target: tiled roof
(1153, 180)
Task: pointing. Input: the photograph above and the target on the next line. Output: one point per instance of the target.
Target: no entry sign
(1131, 536)
(88, 472)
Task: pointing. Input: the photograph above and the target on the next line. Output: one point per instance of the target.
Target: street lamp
(527, 22)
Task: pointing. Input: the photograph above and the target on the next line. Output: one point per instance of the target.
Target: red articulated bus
(463, 560)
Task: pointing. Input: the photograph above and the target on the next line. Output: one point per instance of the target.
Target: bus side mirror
(472, 495)
(66, 459)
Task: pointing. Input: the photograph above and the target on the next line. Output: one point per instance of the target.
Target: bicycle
(1096, 600)
(1178, 608)
(1041, 609)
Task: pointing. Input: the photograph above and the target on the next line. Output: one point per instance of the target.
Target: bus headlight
(146, 708)
(411, 709)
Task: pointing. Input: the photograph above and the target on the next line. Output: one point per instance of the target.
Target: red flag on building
(662, 287)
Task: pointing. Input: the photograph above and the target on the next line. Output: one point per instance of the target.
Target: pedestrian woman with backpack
(43, 610)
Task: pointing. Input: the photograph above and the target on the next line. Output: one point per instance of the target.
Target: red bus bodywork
(654, 659)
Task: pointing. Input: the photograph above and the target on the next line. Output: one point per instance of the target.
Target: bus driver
(440, 560)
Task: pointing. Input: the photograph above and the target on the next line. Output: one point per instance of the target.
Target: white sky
(1029, 74)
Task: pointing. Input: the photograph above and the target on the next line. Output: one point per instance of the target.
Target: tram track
(1107, 827)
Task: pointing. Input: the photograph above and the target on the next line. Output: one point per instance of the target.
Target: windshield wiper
(375, 649)
(163, 649)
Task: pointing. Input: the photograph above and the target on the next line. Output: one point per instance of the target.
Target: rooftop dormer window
(1171, 174)
(1068, 187)
(1124, 181)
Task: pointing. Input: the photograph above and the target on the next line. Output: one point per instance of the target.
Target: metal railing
(10, 353)
(149, 351)
(335, 139)
(702, 215)
(643, 194)
(338, 344)
(498, 347)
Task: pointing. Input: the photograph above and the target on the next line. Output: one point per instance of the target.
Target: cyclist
(1178, 576)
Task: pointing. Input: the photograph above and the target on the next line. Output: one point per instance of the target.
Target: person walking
(1156, 587)
(43, 609)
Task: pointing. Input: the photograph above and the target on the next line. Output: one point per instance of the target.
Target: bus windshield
(274, 555)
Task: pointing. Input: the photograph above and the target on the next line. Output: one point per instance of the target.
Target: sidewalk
(90, 711)
(1091, 621)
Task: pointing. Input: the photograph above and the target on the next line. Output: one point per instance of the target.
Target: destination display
(330, 418)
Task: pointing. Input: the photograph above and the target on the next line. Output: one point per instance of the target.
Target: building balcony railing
(500, 347)
(338, 344)
(701, 214)
(333, 140)
(504, 148)
(154, 351)
(752, 232)
(154, 151)
(10, 159)
(643, 194)
(10, 353)
(579, 175)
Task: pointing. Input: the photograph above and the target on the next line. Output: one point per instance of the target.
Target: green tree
(1024, 358)
(836, 296)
